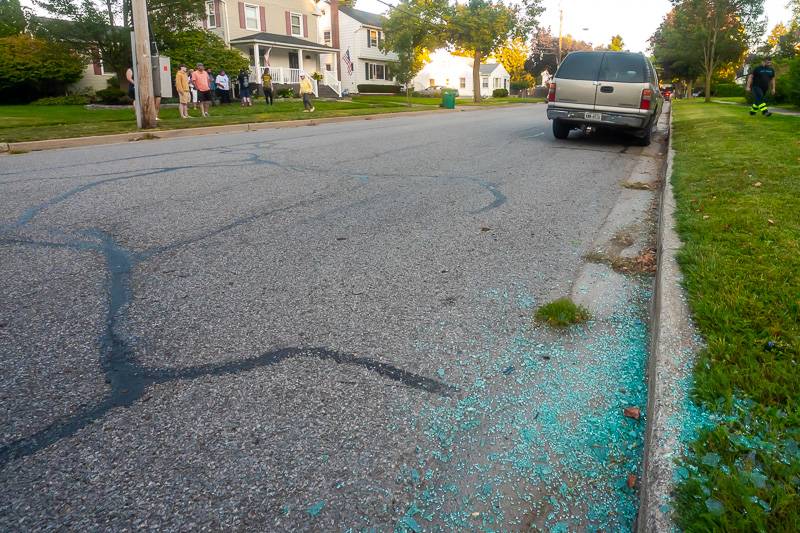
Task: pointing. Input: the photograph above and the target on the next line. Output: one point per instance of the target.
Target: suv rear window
(580, 66)
(624, 68)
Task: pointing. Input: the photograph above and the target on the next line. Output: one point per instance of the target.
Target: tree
(544, 51)
(412, 28)
(675, 52)
(102, 28)
(512, 55)
(31, 68)
(718, 31)
(481, 26)
(199, 46)
(617, 45)
(12, 18)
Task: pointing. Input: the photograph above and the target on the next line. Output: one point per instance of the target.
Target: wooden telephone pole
(144, 69)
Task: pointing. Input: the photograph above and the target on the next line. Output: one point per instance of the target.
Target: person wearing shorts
(192, 89)
(201, 82)
(182, 86)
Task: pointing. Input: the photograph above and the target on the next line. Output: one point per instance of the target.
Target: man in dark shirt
(761, 80)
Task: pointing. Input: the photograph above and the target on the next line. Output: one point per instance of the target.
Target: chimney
(335, 35)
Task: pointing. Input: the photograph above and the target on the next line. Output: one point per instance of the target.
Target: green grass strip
(737, 185)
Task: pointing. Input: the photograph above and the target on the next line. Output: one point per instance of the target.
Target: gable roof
(364, 17)
(488, 69)
(281, 39)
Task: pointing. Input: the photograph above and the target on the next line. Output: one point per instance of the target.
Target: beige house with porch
(282, 35)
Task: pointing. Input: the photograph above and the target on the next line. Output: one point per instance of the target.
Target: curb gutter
(72, 142)
(672, 350)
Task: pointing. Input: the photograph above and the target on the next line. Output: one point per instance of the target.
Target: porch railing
(329, 78)
(287, 76)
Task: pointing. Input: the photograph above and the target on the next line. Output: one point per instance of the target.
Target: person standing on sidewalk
(266, 83)
(761, 80)
(306, 91)
(201, 82)
(223, 87)
(182, 86)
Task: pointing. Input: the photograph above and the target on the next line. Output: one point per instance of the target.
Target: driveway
(315, 328)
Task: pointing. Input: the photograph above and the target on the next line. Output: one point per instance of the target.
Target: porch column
(257, 54)
(300, 59)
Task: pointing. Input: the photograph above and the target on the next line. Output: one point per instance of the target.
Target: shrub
(728, 89)
(792, 81)
(113, 96)
(317, 76)
(520, 85)
(500, 93)
(375, 88)
(194, 46)
(72, 99)
(286, 92)
(31, 68)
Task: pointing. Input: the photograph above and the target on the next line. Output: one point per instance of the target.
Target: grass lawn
(741, 100)
(32, 123)
(737, 185)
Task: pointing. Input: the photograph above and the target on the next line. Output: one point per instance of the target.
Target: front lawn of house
(737, 185)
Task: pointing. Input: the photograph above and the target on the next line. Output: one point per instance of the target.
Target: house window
(326, 36)
(462, 83)
(485, 83)
(372, 38)
(211, 15)
(498, 83)
(297, 25)
(376, 72)
(328, 67)
(251, 17)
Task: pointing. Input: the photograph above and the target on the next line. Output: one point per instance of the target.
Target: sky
(596, 21)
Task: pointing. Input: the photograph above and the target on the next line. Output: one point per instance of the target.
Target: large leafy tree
(512, 55)
(199, 46)
(12, 18)
(675, 52)
(32, 67)
(544, 50)
(480, 27)
(102, 27)
(717, 32)
(412, 28)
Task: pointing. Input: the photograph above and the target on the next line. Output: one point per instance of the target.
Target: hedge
(375, 88)
(32, 68)
(500, 93)
(728, 89)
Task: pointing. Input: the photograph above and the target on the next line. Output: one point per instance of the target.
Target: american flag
(348, 61)
(266, 57)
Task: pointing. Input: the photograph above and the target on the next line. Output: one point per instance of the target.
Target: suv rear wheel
(645, 136)
(560, 129)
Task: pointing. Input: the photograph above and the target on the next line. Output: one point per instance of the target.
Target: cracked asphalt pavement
(235, 331)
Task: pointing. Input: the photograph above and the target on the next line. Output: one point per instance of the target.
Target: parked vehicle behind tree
(610, 89)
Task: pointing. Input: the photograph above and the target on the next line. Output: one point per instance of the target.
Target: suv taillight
(551, 94)
(647, 95)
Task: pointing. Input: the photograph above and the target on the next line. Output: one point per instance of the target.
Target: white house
(360, 39)
(449, 70)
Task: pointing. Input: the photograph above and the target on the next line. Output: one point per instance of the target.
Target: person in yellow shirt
(182, 86)
(306, 91)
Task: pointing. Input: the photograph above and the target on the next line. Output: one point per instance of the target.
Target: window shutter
(305, 25)
(288, 23)
(366, 67)
(241, 16)
(369, 42)
(262, 11)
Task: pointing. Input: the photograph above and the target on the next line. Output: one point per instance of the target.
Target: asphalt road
(259, 330)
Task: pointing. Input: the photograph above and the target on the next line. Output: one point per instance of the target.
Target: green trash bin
(448, 99)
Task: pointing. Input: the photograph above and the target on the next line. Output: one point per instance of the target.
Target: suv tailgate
(575, 80)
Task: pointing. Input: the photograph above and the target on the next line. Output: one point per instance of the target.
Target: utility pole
(143, 65)
(560, 28)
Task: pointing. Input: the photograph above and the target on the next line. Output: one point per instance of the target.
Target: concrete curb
(672, 350)
(72, 142)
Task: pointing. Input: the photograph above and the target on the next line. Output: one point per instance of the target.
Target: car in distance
(616, 90)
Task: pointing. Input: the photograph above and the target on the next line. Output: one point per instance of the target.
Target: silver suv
(608, 89)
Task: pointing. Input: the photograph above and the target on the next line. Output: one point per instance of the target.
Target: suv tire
(560, 129)
(645, 136)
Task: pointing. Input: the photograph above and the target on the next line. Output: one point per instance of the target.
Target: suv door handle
(606, 89)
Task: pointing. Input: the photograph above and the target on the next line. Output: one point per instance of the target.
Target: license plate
(594, 116)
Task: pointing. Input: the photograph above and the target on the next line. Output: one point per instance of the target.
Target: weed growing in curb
(562, 313)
